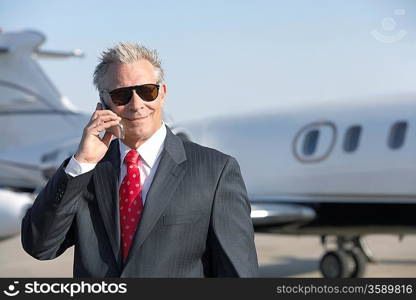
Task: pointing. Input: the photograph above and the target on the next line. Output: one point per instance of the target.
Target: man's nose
(136, 102)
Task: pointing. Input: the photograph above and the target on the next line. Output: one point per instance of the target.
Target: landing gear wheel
(360, 261)
(336, 264)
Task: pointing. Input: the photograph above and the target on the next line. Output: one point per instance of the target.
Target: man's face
(140, 119)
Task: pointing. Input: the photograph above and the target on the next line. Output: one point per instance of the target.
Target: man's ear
(163, 89)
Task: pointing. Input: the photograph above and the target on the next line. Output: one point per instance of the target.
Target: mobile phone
(103, 104)
(118, 130)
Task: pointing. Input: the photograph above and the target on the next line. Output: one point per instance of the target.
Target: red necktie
(131, 204)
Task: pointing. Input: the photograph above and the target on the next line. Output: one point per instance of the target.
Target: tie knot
(132, 157)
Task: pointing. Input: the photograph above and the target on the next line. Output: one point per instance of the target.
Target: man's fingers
(103, 126)
(107, 118)
(103, 114)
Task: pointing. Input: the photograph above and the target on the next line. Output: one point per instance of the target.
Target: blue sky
(230, 57)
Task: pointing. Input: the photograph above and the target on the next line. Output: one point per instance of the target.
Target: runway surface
(279, 256)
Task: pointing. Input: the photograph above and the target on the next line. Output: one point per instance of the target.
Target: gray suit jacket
(196, 220)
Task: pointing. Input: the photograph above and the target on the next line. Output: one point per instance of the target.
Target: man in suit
(147, 204)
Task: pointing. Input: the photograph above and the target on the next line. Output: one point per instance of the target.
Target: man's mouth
(137, 118)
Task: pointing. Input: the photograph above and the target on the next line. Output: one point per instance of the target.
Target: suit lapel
(106, 179)
(167, 178)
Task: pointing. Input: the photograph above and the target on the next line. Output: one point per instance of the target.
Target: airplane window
(310, 142)
(397, 135)
(314, 141)
(352, 138)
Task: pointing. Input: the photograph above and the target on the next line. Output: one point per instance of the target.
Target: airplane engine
(13, 207)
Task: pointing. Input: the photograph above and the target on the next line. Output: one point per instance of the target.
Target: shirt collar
(149, 150)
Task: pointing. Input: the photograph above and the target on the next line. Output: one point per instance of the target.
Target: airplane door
(314, 142)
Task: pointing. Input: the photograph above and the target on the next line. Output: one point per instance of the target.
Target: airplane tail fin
(31, 108)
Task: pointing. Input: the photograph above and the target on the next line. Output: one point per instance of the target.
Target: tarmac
(278, 255)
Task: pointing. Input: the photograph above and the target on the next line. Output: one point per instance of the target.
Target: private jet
(338, 170)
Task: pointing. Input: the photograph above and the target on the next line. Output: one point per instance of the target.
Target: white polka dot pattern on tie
(130, 192)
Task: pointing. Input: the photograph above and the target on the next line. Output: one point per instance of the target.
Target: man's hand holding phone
(92, 148)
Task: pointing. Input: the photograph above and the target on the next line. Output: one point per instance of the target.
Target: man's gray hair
(126, 53)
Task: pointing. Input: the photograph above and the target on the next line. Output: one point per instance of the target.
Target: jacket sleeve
(48, 226)
(232, 251)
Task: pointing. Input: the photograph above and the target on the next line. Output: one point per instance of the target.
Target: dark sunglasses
(122, 96)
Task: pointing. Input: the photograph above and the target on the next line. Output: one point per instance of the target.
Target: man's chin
(138, 134)
(136, 131)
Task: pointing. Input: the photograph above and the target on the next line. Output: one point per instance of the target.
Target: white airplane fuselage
(369, 189)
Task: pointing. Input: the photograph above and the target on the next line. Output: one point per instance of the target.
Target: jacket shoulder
(194, 150)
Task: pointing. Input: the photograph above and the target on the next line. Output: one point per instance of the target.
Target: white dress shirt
(149, 156)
